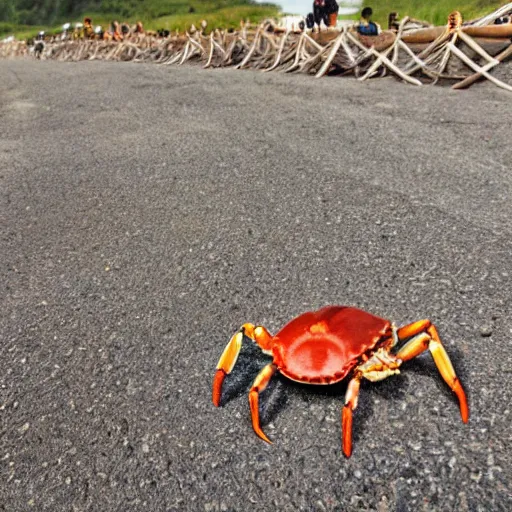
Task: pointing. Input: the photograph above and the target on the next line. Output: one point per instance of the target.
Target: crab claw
(225, 365)
(217, 386)
(459, 391)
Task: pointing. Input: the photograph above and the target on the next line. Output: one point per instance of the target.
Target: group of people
(85, 30)
(326, 12)
(115, 32)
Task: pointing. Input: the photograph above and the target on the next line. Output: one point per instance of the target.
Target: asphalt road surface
(147, 212)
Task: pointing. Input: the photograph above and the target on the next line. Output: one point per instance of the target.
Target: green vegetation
(21, 31)
(223, 18)
(435, 12)
(25, 18)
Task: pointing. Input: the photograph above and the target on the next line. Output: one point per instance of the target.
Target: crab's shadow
(276, 398)
(250, 362)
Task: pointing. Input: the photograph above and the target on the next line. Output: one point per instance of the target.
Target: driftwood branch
(461, 52)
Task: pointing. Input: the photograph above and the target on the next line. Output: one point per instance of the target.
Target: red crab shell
(325, 346)
(322, 347)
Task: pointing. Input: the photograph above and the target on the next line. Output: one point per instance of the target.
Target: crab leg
(346, 418)
(259, 384)
(426, 337)
(228, 358)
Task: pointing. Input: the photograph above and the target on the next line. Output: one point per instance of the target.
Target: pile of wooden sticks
(462, 53)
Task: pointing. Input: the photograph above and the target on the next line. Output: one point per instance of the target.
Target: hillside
(434, 12)
(28, 16)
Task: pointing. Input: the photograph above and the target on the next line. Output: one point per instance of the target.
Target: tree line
(50, 12)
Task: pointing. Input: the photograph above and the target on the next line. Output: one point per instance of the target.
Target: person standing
(319, 11)
(331, 11)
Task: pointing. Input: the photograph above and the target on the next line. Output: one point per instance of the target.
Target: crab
(331, 344)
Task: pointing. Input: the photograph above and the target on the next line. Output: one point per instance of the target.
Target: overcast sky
(295, 6)
(305, 6)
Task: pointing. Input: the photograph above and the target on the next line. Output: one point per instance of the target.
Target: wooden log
(427, 35)
(482, 70)
(470, 80)
(197, 45)
(210, 54)
(490, 18)
(446, 55)
(324, 37)
(475, 47)
(430, 53)
(330, 57)
(313, 42)
(229, 52)
(381, 42)
(279, 53)
(251, 50)
(415, 59)
(383, 58)
(491, 46)
(298, 50)
(185, 53)
(173, 58)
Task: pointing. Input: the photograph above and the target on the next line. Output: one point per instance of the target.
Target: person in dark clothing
(331, 12)
(319, 11)
(39, 45)
(393, 21)
(366, 26)
(504, 20)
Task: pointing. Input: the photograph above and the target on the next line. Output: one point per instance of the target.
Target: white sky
(305, 6)
(295, 6)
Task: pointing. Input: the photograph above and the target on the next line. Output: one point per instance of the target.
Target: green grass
(223, 18)
(22, 31)
(174, 14)
(435, 12)
(157, 14)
